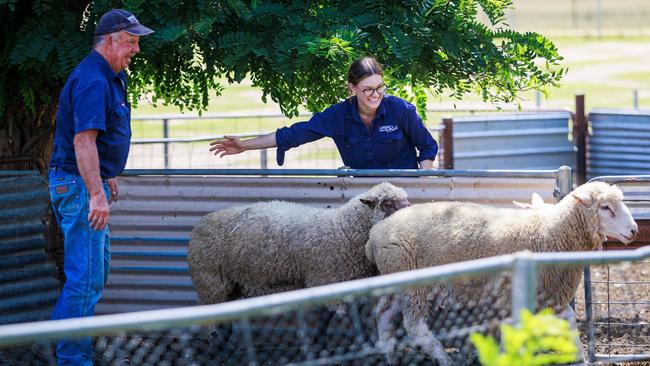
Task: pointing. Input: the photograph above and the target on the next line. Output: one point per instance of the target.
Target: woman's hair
(362, 68)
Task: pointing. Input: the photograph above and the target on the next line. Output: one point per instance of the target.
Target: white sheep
(277, 246)
(438, 233)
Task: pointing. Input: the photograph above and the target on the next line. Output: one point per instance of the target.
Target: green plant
(297, 52)
(541, 339)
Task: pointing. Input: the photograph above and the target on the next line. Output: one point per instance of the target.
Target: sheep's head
(614, 218)
(535, 202)
(384, 199)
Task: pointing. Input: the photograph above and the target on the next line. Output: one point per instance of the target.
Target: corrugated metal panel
(152, 221)
(28, 282)
(619, 143)
(513, 141)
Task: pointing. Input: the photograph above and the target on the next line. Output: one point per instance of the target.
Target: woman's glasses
(368, 92)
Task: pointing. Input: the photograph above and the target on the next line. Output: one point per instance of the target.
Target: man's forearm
(85, 149)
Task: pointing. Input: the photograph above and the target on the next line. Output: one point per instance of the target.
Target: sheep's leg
(385, 310)
(213, 289)
(417, 329)
(571, 317)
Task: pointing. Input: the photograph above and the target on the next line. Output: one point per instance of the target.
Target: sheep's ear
(584, 198)
(537, 200)
(522, 205)
(369, 202)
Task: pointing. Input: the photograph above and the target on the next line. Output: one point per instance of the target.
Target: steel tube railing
(351, 172)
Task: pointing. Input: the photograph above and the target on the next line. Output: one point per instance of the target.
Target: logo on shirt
(387, 128)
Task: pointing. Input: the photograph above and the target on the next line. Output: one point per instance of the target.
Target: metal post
(248, 339)
(448, 143)
(580, 139)
(564, 183)
(524, 284)
(635, 98)
(599, 18)
(591, 340)
(538, 99)
(165, 144)
(263, 159)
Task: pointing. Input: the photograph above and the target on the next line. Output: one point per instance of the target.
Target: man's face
(120, 48)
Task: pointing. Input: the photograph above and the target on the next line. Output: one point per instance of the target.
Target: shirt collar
(354, 111)
(105, 67)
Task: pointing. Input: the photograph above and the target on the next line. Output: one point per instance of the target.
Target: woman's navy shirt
(93, 97)
(397, 131)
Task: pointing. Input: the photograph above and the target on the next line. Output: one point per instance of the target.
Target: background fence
(619, 143)
(533, 140)
(581, 17)
(29, 285)
(536, 139)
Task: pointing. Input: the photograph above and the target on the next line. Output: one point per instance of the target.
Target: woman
(371, 130)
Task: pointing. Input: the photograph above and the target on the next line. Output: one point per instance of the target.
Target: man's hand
(112, 187)
(99, 212)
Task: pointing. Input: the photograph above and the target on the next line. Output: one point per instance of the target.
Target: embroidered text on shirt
(387, 128)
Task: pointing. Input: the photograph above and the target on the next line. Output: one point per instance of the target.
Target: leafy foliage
(296, 51)
(542, 339)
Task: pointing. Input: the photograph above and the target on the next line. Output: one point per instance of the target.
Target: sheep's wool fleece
(437, 233)
(277, 246)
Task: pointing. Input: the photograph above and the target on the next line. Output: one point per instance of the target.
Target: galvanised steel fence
(333, 324)
(180, 141)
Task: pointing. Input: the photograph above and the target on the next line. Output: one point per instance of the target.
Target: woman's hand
(228, 145)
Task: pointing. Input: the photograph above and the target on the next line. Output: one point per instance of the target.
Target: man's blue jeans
(86, 261)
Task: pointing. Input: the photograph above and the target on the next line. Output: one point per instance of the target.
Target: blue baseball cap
(120, 20)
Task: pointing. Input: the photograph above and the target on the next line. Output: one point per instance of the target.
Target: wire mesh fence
(341, 332)
(619, 323)
(372, 321)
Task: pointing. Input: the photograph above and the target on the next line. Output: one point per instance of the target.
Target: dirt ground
(621, 309)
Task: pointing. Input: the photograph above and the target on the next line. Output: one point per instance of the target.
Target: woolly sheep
(438, 233)
(277, 246)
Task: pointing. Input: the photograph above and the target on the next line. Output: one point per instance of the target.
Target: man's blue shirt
(397, 131)
(94, 97)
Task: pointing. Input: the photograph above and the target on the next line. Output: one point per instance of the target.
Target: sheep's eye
(387, 205)
(607, 208)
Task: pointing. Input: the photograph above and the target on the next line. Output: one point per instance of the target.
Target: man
(91, 145)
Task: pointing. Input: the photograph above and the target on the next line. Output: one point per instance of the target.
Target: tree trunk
(26, 136)
(26, 143)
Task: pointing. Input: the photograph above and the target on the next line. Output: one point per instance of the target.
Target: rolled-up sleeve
(89, 108)
(420, 136)
(300, 133)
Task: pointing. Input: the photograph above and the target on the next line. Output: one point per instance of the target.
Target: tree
(297, 52)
